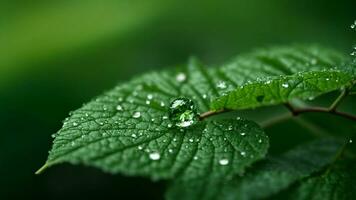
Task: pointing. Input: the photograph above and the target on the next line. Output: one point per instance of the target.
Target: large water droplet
(224, 161)
(155, 156)
(183, 112)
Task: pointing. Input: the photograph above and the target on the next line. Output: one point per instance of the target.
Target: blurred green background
(56, 55)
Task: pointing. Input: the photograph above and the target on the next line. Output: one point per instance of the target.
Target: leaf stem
(39, 171)
(295, 112)
(212, 113)
(338, 100)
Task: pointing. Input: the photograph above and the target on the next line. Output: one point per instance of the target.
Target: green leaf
(264, 179)
(277, 75)
(338, 182)
(127, 131)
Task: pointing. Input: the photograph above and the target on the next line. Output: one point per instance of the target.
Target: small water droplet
(53, 135)
(353, 26)
(120, 99)
(204, 96)
(169, 125)
(230, 128)
(183, 112)
(148, 102)
(75, 124)
(191, 140)
(162, 104)
(260, 141)
(140, 147)
(155, 156)
(133, 135)
(350, 141)
(149, 96)
(243, 153)
(195, 158)
(285, 85)
(170, 150)
(243, 134)
(119, 108)
(136, 115)
(224, 161)
(221, 85)
(152, 120)
(181, 77)
(313, 61)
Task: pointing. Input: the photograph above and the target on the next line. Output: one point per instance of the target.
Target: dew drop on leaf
(285, 85)
(119, 108)
(136, 115)
(181, 77)
(183, 112)
(149, 96)
(230, 128)
(155, 156)
(224, 161)
(221, 85)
